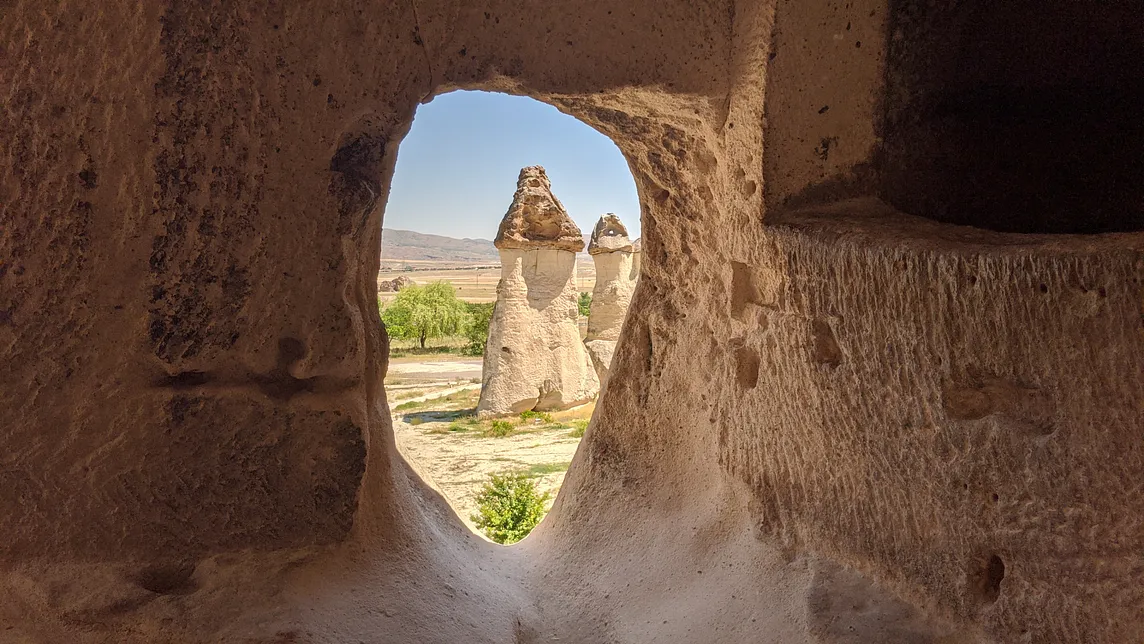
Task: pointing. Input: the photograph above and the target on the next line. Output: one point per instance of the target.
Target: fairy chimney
(535, 359)
(613, 253)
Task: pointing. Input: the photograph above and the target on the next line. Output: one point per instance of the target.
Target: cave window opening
(510, 253)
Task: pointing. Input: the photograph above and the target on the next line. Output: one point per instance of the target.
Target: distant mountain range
(408, 245)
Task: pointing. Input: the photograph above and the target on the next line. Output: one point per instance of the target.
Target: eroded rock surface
(394, 285)
(536, 219)
(534, 359)
(609, 235)
(613, 255)
(836, 415)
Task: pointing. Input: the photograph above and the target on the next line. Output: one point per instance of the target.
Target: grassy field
(440, 347)
(472, 284)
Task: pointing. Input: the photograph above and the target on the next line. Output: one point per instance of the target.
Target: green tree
(478, 330)
(423, 312)
(584, 303)
(508, 507)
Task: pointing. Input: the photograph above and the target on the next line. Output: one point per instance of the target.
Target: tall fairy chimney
(534, 359)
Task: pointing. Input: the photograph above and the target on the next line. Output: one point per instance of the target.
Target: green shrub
(584, 303)
(579, 426)
(542, 416)
(508, 507)
(478, 330)
(424, 312)
(500, 429)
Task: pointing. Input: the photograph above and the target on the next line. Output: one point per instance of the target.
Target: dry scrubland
(439, 435)
(472, 284)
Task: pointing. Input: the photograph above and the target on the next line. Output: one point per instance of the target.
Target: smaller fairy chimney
(612, 252)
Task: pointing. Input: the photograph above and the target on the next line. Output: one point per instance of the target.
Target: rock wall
(637, 255)
(841, 416)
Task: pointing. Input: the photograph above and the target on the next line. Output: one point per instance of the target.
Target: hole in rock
(1038, 135)
(826, 350)
(743, 289)
(747, 367)
(167, 579)
(985, 577)
(510, 254)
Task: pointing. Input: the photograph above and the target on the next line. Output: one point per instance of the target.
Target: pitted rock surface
(861, 395)
(536, 218)
(609, 235)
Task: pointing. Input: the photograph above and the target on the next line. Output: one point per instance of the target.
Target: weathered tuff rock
(637, 257)
(609, 235)
(395, 284)
(534, 357)
(536, 218)
(837, 413)
(612, 253)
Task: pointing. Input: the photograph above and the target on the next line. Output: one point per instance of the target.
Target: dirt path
(449, 388)
(413, 368)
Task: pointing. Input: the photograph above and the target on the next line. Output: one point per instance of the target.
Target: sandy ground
(431, 396)
(440, 371)
(457, 465)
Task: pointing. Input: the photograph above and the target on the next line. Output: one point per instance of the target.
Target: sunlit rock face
(637, 256)
(536, 219)
(878, 381)
(613, 255)
(534, 359)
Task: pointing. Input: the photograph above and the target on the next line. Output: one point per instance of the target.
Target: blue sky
(457, 167)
